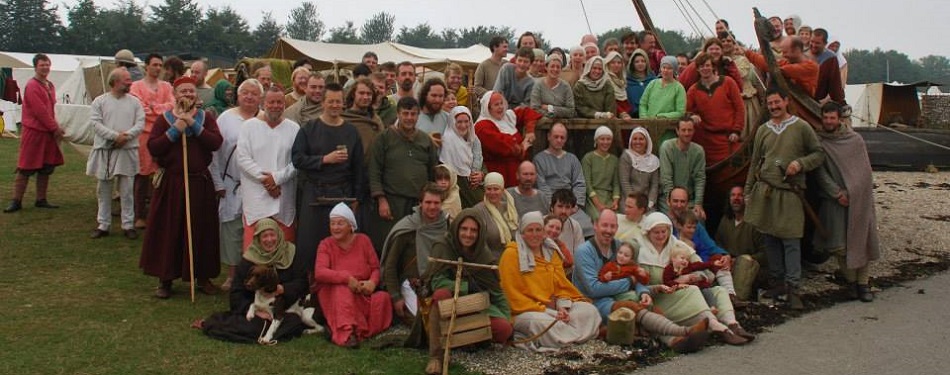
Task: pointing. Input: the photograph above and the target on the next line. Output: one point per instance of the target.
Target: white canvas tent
(331, 55)
(879, 103)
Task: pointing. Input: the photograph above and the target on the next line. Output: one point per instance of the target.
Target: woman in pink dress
(346, 275)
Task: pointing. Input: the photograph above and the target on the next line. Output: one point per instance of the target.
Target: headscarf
(796, 22)
(281, 258)
(526, 261)
(341, 210)
(619, 83)
(648, 254)
(220, 102)
(842, 61)
(507, 123)
(647, 162)
(585, 77)
(671, 60)
(452, 204)
(630, 68)
(450, 247)
(507, 223)
(457, 150)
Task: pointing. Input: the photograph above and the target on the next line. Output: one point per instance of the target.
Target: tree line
(182, 26)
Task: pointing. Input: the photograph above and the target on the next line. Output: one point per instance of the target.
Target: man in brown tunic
(165, 249)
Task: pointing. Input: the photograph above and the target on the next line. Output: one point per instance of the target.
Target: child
(688, 224)
(680, 265)
(625, 265)
(601, 174)
(552, 230)
(445, 179)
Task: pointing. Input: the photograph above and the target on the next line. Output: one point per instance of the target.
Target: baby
(681, 266)
(625, 266)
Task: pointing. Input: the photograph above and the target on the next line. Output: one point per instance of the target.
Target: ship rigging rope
(700, 17)
(879, 126)
(689, 20)
(584, 9)
(711, 10)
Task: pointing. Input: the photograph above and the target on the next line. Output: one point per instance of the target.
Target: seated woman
(532, 276)
(499, 214)
(462, 150)
(617, 78)
(639, 169)
(686, 305)
(639, 75)
(346, 275)
(593, 98)
(664, 97)
(466, 240)
(551, 95)
(503, 147)
(268, 249)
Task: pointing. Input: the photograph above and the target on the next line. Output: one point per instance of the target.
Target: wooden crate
(469, 337)
(467, 304)
(466, 323)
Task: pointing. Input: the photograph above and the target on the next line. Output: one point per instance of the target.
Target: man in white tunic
(117, 119)
(226, 174)
(268, 177)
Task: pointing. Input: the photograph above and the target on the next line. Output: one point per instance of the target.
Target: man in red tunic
(39, 141)
(718, 111)
(165, 249)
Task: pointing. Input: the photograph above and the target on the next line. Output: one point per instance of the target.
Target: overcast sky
(915, 27)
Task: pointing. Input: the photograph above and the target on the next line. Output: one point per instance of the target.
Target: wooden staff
(191, 249)
(459, 265)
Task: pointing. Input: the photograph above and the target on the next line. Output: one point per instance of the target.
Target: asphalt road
(901, 332)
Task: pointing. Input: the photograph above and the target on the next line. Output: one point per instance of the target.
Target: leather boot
(43, 203)
(206, 287)
(164, 290)
(14, 206)
(434, 367)
(737, 329)
(691, 343)
(732, 338)
(864, 292)
(795, 300)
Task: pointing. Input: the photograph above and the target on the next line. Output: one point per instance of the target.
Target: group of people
(288, 179)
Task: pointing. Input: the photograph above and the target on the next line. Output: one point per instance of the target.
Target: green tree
(84, 34)
(304, 23)
(421, 35)
(482, 35)
(265, 35)
(346, 34)
(173, 26)
(450, 38)
(29, 26)
(378, 28)
(124, 27)
(936, 69)
(674, 41)
(881, 66)
(224, 32)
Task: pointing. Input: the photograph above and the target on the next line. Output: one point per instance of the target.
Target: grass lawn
(72, 305)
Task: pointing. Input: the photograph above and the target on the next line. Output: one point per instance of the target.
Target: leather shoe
(736, 302)
(795, 301)
(731, 338)
(13, 207)
(434, 367)
(864, 293)
(354, 342)
(43, 203)
(98, 233)
(737, 329)
(130, 234)
(164, 290)
(206, 287)
(691, 343)
(139, 224)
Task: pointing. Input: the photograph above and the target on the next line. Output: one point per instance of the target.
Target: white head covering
(585, 79)
(842, 61)
(505, 124)
(341, 210)
(654, 219)
(494, 178)
(526, 261)
(601, 132)
(648, 254)
(458, 151)
(647, 162)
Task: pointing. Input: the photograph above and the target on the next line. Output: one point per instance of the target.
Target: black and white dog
(263, 280)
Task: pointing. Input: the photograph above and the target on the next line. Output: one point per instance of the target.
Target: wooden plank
(466, 323)
(466, 305)
(469, 337)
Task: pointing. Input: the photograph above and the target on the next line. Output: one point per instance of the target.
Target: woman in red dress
(503, 147)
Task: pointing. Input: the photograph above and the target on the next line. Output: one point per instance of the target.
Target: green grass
(72, 305)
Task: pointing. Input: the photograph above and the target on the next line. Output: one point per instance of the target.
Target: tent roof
(60, 62)
(326, 55)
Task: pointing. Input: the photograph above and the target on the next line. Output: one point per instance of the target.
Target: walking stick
(191, 249)
(459, 265)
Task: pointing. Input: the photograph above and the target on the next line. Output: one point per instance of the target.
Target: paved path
(901, 332)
